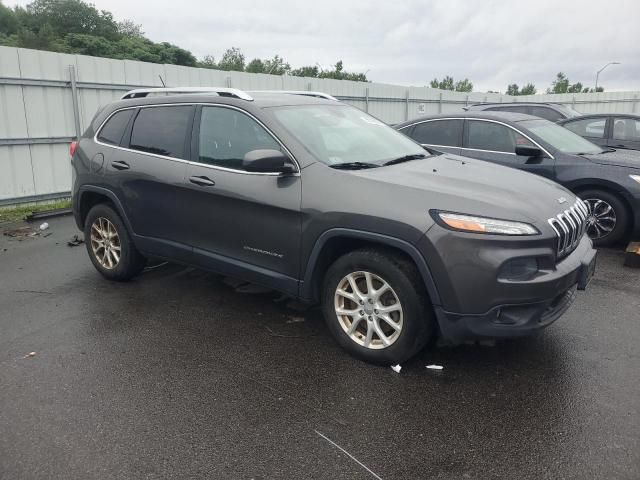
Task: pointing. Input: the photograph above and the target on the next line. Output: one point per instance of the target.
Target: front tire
(376, 306)
(109, 245)
(608, 219)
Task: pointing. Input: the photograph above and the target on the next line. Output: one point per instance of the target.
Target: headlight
(635, 177)
(468, 223)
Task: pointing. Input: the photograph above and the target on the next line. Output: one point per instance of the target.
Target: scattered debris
(435, 367)
(48, 234)
(632, 255)
(21, 232)
(30, 354)
(44, 226)
(75, 241)
(295, 320)
(153, 267)
(396, 368)
(282, 335)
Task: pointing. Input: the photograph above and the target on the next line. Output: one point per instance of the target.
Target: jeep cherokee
(314, 198)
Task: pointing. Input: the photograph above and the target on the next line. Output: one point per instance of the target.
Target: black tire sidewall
(418, 323)
(622, 216)
(131, 262)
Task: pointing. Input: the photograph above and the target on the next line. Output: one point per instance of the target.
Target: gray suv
(317, 199)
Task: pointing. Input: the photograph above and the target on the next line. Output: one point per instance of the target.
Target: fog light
(519, 269)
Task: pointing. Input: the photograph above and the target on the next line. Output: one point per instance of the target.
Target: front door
(496, 143)
(242, 223)
(444, 135)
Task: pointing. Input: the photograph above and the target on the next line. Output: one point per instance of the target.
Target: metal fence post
(440, 103)
(634, 104)
(74, 99)
(406, 105)
(573, 102)
(366, 99)
(229, 82)
(466, 101)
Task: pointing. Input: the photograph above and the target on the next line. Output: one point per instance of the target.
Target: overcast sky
(409, 42)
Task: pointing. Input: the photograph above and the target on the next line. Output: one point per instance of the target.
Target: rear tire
(399, 309)
(109, 244)
(608, 220)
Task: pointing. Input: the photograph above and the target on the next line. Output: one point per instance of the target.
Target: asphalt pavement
(177, 374)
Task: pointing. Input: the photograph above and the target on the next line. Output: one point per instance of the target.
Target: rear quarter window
(113, 130)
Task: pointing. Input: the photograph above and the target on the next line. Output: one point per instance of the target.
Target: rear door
(149, 172)
(241, 220)
(625, 133)
(444, 135)
(593, 129)
(496, 142)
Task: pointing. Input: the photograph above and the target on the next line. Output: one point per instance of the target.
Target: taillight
(72, 148)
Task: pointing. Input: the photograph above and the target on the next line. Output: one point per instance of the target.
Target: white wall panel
(16, 174)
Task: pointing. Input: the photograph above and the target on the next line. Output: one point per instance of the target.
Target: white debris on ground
(396, 368)
(44, 226)
(435, 367)
(30, 354)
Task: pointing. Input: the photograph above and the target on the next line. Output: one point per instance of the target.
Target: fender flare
(404, 246)
(111, 196)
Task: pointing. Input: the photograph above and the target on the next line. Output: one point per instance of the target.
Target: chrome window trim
(483, 120)
(192, 162)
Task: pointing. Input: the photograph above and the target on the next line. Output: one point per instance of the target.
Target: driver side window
(227, 135)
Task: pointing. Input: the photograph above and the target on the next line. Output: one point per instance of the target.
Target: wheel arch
(610, 188)
(91, 195)
(339, 241)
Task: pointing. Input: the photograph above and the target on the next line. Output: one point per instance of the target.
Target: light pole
(598, 74)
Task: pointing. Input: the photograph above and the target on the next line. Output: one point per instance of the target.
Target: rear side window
(113, 130)
(510, 108)
(590, 127)
(493, 137)
(546, 113)
(626, 129)
(447, 133)
(227, 135)
(161, 130)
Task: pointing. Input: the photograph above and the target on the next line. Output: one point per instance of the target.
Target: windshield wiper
(353, 165)
(406, 158)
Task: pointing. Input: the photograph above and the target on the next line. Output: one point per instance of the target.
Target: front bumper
(550, 294)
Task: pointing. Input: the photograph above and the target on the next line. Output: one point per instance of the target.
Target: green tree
(445, 84)
(8, 21)
(560, 84)
(276, 66)
(464, 86)
(307, 71)
(513, 89)
(232, 60)
(208, 61)
(339, 73)
(128, 28)
(528, 89)
(73, 16)
(255, 66)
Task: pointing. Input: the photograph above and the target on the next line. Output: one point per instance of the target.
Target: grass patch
(16, 214)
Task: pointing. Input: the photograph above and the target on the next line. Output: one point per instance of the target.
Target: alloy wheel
(368, 310)
(105, 243)
(601, 218)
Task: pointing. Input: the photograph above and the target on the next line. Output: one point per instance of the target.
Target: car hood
(475, 187)
(621, 158)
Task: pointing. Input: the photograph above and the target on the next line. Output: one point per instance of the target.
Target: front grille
(570, 226)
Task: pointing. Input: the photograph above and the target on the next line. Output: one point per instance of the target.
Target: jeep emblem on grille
(562, 200)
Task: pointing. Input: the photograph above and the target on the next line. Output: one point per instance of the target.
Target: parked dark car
(316, 199)
(554, 112)
(607, 180)
(608, 130)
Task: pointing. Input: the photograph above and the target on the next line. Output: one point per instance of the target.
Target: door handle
(119, 165)
(202, 181)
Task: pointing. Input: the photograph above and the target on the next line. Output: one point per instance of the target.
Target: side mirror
(268, 161)
(528, 151)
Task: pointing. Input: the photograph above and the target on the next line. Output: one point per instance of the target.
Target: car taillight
(72, 148)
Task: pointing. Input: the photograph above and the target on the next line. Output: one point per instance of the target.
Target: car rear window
(113, 130)
(589, 127)
(447, 133)
(161, 130)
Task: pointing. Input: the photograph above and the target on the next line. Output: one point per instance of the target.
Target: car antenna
(161, 80)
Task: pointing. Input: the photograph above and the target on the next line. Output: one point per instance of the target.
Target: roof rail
(221, 91)
(305, 93)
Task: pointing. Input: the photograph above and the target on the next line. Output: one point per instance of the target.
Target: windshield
(339, 134)
(560, 138)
